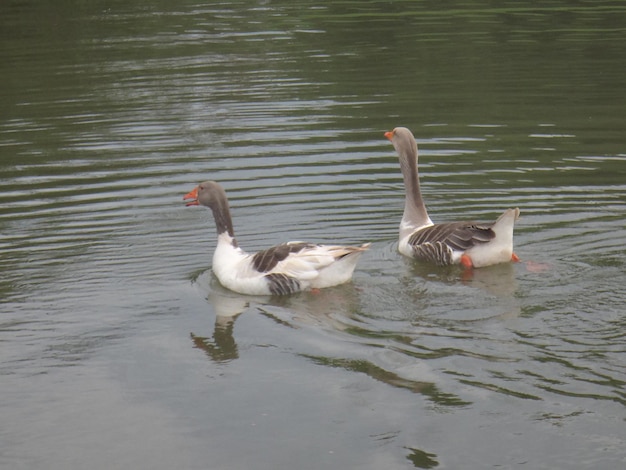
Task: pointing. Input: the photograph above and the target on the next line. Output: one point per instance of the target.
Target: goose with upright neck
(467, 243)
(282, 269)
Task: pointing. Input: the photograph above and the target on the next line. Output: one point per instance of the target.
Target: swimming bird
(467, 243)
(282, 269)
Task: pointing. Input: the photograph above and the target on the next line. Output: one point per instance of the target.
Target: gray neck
(415, 214)
(223, 220)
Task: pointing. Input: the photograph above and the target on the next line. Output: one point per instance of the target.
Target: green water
(118, 348)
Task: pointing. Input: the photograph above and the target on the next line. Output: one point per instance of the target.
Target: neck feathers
(415, 214)
(223, 220)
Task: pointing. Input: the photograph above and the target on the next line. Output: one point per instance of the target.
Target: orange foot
(315, 291)
(466, 262)
(514, 258)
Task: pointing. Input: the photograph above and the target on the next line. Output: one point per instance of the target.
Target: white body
(500, 249)
(313, 268)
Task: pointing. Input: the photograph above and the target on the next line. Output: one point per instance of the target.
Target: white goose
(466, 243)
(283, 269)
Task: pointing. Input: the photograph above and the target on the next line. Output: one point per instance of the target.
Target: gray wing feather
(264, 261)
(281, 284)
(437, 242)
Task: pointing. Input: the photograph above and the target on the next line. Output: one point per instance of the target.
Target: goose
(469, 244)
(282, 269)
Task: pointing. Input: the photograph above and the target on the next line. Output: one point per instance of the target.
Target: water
(120, 350)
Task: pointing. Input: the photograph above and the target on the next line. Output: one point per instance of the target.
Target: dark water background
(118, 349)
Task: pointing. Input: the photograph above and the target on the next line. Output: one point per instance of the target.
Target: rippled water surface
(118, 347)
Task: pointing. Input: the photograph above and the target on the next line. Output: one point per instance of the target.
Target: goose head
(209, 194)
(404, 143)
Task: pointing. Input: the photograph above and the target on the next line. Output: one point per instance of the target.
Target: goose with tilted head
(282, 269)
(473, 245)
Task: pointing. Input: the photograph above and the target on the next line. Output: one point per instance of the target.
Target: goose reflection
(337, 309)
(493, 293)
(227, 305)
(329, 308)
(499, 282)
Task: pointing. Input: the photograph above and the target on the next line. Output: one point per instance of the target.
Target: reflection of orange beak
(389, 135)
(193, 194)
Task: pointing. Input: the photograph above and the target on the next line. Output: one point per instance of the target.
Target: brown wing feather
(264, 261)
(436, 243)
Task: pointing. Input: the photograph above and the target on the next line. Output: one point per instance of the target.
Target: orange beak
(389, 135)
(193, 194)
